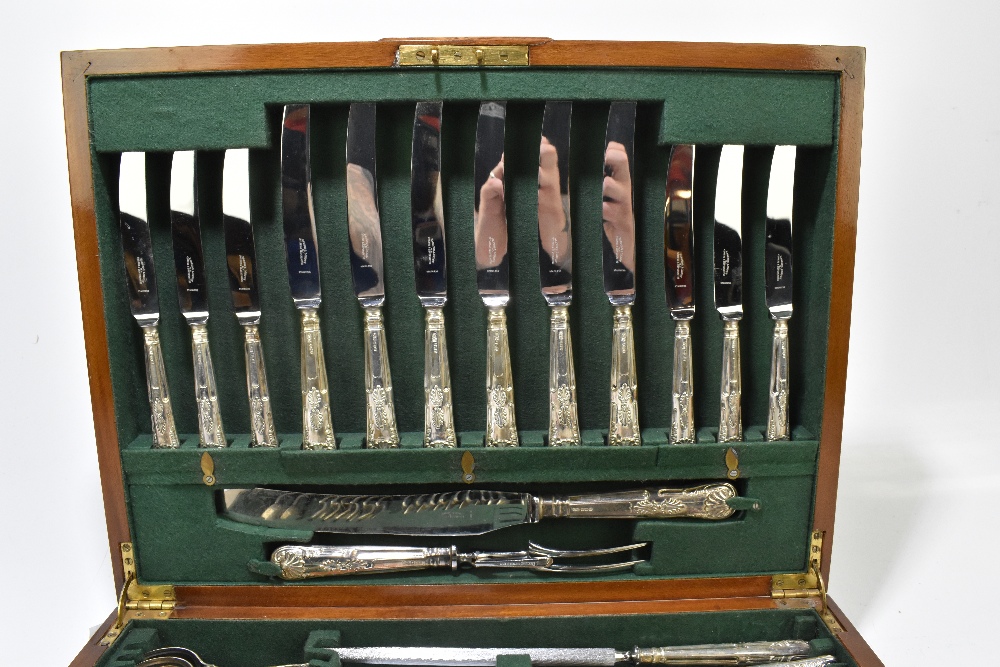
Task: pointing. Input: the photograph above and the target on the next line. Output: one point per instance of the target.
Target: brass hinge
(445, 55)
(808, 586)
(137, 600)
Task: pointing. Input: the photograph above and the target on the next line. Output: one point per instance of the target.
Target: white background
(917, 520)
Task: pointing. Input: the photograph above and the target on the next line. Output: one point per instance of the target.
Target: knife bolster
(161, 411)
(439, 424)
(564, 423)
(682, 413)
(501, 426)
(317, 427)
(261, 420)
(777, 407)
(381, 410)
(731, 385)
(206, 391)
(624, 426)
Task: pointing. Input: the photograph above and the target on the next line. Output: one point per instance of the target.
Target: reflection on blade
(617, 214)
(555, 243)
(241, 257)
(778, 250)
(297, 207)
(728, 230)
(365, 234)
(678, 231)
(426, 207)
(136, 244)
(189, 262)
(490, 214)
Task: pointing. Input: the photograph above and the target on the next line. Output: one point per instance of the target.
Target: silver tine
(165, 661)
(537, 549)
(182, 657)
(607, 567)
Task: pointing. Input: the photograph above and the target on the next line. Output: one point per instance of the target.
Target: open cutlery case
(191, 575)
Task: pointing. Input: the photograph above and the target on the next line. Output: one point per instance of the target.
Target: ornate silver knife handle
(682, 412)
(317, 427)
(439, 424)
(382, 432)
(730, 417)
(261, 420)
(624, 427)
(745, 653)
(205, 390)
(700, 502)
(564, 424)
(501, 426)
(164, 431)
(777, 408)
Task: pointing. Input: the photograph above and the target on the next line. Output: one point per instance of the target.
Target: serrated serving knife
(241, 261)
(365, 238)
(133, 224)
(466, 512)
(728, 273)
(678, 246)
(493, 271)
(189, 265)
(778, 284)
(618, 240)
(555, 268)
(430, 272)
(301, 255)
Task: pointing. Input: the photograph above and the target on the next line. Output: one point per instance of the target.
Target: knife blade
(365, 240)
(778, 283)
(728, 273)
(679, 272)
(302, 258)
(430, 271)
(189, 265)
(493, 271)
(618, 242)
(466, 512)
(140, 278)
(555, 267)
(241, 261)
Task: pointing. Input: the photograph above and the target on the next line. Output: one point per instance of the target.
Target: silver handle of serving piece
(682, 412)
(261, 420)
(501, 426)
(382, 432)
(730, 417)
(777, 407)
(164, 431)
(317, 426)
(624, 426)
(564, 424)
(439, 424)
(206, 392)
(308, 562)
(745, 653)
(699, 502)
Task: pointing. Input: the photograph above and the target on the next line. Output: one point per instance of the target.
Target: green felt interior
(178, 535)
(260, 643)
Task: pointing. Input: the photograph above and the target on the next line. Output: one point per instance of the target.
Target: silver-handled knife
(555, 268)
(189, 264)
(429, 268)
(728, 274)
(301, 255)
(133, 224)
(241, 261)
(367, 274)
(678, 247)
(493, 271)
(618, 242)
(778, 284)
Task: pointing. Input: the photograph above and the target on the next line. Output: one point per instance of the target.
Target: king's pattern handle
(700, 502)
(745, 653)
(317, 427)
(624, 427)
(501, 426)
(298, 561)
(682, 412)
(261, 420)
(381, 418)
(439, 424)
(206, 392)
(564, 424)
(777, 407)
(161, 412)
(731, 390)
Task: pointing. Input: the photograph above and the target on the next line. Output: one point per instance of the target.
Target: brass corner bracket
(445, 55)
(807, 585)
(137, 600)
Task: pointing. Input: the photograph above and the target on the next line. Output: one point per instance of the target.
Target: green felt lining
(178, 535)
(259, 643)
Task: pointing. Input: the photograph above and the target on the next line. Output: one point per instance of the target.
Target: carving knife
(778, 284)
(241, 260)
(365, 238)
(493, 271)
(301, 255)
(618, 242)
(192, 296)
(466, 512)
(728, 273)
(679, 272)
(430, 271)
(555, 267)
(133, 224)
